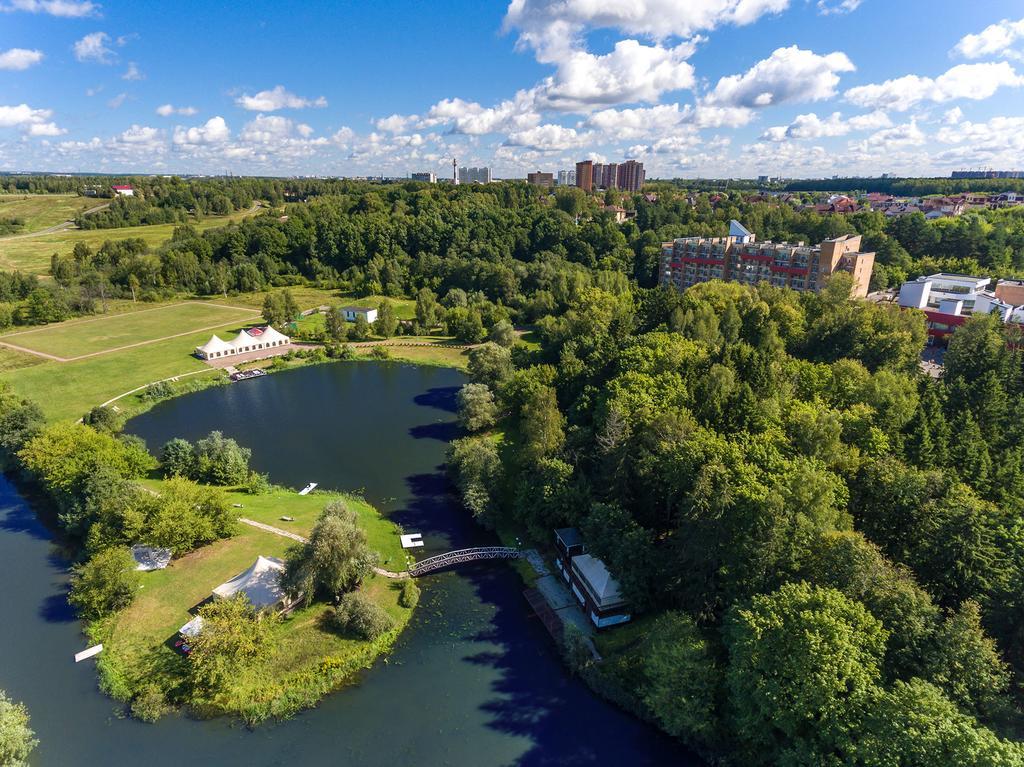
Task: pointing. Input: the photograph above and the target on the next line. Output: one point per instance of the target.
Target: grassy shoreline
(306, 660)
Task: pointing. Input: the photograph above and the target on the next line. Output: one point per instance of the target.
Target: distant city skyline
(722, 88)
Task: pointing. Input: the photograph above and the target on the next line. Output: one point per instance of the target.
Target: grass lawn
(70, 389)
(305, 661)
(97, 334)
(12, 360)
(40, 211)
(439, 352)
(32, 254)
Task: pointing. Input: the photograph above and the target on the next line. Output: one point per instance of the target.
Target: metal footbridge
(462, 556)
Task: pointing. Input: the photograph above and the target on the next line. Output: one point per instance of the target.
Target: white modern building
(248, 340)
(949, 299)
(352, 312)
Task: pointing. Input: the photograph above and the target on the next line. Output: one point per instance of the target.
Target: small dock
(547, 616)
(307, 489)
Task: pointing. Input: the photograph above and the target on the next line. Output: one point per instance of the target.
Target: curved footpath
(300, 539)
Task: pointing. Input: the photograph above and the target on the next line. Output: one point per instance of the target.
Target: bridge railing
(460, 556)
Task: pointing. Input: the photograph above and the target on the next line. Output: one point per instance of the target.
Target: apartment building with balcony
(739, 257)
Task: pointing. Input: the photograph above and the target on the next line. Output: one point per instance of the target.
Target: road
(62, 226)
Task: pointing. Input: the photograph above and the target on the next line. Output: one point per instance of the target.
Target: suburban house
(591, 583)
(123, 190)
(352, 312)
(248, 340)
(949, 299)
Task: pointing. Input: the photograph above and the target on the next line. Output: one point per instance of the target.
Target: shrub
(104, 584)
(380, 353)
(358, 616)
(16, 738)
(157, 391)
(102, 419)
(410, 595)
(150, 704)
(177, 458)
(257, 484)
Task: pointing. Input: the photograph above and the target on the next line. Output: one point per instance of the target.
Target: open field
(32, 254)
(41, 211)
(94, 335)
(70, 389)
(304, 661)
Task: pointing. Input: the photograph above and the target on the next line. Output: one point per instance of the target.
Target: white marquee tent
(261, 584)
(248, 340)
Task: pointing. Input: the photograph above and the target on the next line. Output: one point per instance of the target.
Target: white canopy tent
(261, 584)
(248, 340)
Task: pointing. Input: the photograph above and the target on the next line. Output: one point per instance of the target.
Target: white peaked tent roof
(270, 335)
(601, 582)
(215, 344)
(261, 583)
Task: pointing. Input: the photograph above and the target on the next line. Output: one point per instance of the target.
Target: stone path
(300, 539)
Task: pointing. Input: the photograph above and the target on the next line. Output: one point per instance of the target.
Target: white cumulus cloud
(19, 58)
(277, 98)
(166, 110)
(994, 40)
(810, 126)
(35, 122)
(133, 73)
(546, 138)
(964, 81)
(213, 131)
(631, 72)
(93, 47)
(474, 119)
(828, 7)
(74, 9)
(551, 27)
(789, 75)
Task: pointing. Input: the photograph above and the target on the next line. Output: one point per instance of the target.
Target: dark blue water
(473, 681)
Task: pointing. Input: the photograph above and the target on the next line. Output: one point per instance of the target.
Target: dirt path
(300, 539)
(61, 227)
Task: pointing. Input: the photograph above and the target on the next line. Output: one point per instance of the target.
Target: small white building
(352, 312)
(248, 340)
(123, 190)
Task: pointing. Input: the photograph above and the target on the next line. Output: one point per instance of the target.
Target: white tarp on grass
(261, 583)
(150, 558)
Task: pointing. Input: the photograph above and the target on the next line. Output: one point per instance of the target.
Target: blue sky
(695, 88)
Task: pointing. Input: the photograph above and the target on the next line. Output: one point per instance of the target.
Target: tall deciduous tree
(334, 560)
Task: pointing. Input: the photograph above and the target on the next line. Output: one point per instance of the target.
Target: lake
(474, 680)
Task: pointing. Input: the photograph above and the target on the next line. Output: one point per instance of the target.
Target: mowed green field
(71, 389)
(40, 211)
(99, 334)
(32, 254)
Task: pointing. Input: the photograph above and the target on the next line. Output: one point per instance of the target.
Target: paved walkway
(300, 539)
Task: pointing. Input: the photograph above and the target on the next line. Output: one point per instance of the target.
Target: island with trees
(106, 493)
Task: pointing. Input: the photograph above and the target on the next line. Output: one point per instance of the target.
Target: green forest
(508, 244)
(826, 545)
(823, 546)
